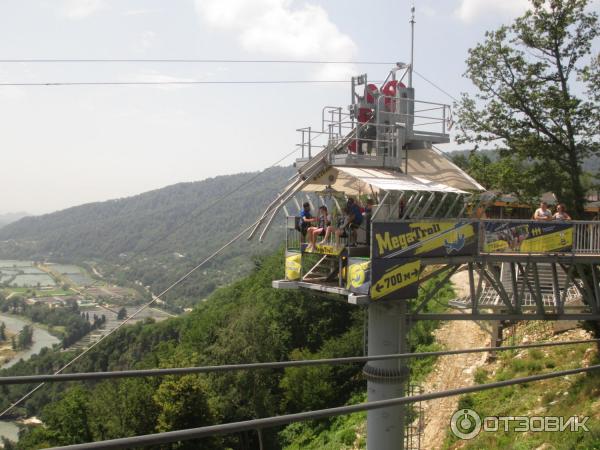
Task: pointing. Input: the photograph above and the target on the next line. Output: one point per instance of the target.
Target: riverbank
(41, 337)
(57, 332)
(6, 351)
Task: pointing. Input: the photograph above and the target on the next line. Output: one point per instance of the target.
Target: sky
(61, 146)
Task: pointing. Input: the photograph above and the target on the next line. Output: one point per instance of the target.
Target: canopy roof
(357, 181)
(433, 165)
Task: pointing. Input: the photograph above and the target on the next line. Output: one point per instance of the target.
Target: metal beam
(435, 289)
(555, 287)
(515, 286)
(503, 316)
(497, 285)
(596, 287)
(537, 298)
(588, 291)
(472, 288)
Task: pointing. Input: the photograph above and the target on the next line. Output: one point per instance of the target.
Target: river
(41, 339)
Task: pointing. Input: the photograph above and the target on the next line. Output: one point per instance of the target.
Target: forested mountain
(7, 218)
(157, 236)
(107, 229)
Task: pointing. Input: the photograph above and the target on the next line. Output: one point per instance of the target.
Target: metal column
(386, 379)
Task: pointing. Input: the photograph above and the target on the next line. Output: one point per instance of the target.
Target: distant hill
(155, 236)
(7, 218)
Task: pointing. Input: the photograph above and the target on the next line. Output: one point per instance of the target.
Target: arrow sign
(398, 281)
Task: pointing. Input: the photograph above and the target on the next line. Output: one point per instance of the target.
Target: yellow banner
(397, 278)
(495, 246)
(293, 267)
(548, 242)
(437, 238)
(463, 233)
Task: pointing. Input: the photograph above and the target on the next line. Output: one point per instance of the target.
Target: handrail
(259, 424)
(86, 376)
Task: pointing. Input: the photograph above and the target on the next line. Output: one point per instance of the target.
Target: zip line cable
(128, 319)
(191, 60)
(269, 422)
(214, 203)
(435, 86)
(156, 297)
(443, 91)
(84, 376)
(172, 82)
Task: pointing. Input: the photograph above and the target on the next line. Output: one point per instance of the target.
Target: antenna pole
(412, 45)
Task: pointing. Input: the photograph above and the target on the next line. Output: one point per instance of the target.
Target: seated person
(561, 213)
(542, 213)
(352, 221)
(319, 229)
(304, 220)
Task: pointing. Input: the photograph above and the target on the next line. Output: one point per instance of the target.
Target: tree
(25, 337)
(2, 331)
(122, 314)
(69, 418)
(183, 403)
(528, 80)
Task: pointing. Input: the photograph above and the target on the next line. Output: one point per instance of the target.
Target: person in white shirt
(561, 213)
(542, 213)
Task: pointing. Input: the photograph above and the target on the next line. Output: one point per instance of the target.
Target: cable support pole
(236, 427)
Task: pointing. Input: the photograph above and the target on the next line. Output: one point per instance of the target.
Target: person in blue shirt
(306, 219)
(352, 222)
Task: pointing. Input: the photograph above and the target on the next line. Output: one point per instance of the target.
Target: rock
(545, 446)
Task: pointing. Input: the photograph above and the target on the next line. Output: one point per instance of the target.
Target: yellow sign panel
(449, 235)
(495, 246)
(397, 278)
(293, 267)
(438, 238)
(357, 274)
(548, 242)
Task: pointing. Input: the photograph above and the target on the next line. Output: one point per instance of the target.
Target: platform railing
(576, 237)
(586, 237)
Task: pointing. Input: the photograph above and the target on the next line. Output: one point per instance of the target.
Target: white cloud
(469, 10)
(277, 28)
(145, 41)
(80, 9)
(140, 12)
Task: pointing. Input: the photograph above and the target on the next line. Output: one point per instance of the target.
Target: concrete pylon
(386, 379)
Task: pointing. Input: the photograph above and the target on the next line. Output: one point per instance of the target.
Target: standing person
(561, 213)
(542, 213)
(323, 221)
(304, 220)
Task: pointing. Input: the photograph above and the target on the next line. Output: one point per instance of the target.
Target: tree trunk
(576, 187)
